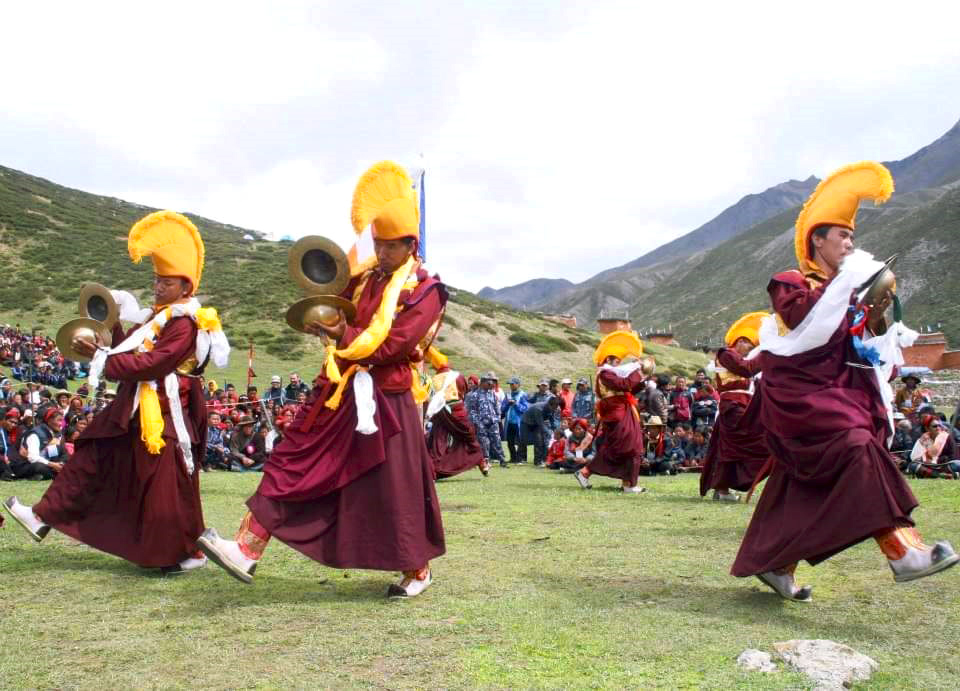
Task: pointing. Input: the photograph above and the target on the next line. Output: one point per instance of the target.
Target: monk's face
(743, 345)
(391, 254)
(168, 289)
(830, 249)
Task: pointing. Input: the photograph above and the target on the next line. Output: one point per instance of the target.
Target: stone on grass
(756, 660)
(830, 664)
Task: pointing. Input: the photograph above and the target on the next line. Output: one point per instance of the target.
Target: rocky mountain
(529, 294)
(922, 179)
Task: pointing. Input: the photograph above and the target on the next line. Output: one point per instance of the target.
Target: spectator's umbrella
(85, 328)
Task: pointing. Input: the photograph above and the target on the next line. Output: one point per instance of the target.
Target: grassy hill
(54, 239)
(704, 295)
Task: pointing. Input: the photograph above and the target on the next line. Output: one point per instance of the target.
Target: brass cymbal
(96, 302)
(875, 288)
(318, 265)
(85, 327)
(321, 308)
(648, 365)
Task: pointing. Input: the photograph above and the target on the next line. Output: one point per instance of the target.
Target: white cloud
(559, 139)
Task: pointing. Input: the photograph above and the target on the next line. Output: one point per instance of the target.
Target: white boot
(581, 480)
(923, 561)
(188, 564)
(636, 489)
(725, 496)
(785, 585)
(227, 555)
(410, 586)
(25, 516)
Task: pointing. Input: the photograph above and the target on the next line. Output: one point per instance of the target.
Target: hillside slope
(625, 288)
(53, 239)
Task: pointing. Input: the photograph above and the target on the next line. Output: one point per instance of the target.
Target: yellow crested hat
(384, 197)
(172, 241)
(620, 344)
(835, 203)
(747, 326)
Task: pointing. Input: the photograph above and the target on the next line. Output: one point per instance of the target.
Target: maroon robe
(737, 451)
(619, 438)
(452, 441)
(113, 494)
(350, 500)
(833, 483)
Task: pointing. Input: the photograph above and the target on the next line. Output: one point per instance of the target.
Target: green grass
(543, 586)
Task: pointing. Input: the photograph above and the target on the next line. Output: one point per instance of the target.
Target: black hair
(820, 232)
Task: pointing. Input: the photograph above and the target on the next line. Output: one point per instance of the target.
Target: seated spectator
(655, 462)
(579, 449)
(696, 450)
(909, 398)
(217, 456)
(935, 453)
(557, 450)
(903, 441)
(42, 448)
(247, 449)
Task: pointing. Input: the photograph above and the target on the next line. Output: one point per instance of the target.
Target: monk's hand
(83, 346)
(336, 331)
(876, 321)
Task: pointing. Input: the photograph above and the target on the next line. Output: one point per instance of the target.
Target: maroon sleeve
(630, 383)
(732, 361)
(791, 296)
(408, 328)
(175, 344)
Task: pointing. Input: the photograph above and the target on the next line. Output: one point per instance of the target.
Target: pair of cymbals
(96, 302)
(322, 270)
(874, 289)
(85, 328)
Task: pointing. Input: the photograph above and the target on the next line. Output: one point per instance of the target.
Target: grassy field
(543, 586)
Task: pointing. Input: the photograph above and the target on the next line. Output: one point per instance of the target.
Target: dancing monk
(452, 440)
(737, 452)
(351, 485)
(131, 487)
(825, 404)
(619, 438)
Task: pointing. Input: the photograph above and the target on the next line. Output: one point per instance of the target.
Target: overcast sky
(559, 138)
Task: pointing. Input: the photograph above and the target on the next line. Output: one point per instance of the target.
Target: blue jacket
(514, 412)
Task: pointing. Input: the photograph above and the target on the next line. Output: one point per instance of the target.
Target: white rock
(830, 664)
(756, 660)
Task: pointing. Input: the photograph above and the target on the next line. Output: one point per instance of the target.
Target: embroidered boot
(228, 555)
(782, 582)
(25, 516)
(909, 558)
(412, 584)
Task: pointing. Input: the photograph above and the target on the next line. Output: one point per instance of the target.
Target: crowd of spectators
(242, 428)
(925, 443)
(559, 421)
(34, 358)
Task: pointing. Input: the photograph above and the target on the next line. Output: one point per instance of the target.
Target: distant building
(930, 350)
(566, 319)
(607, 325)
(661, 338)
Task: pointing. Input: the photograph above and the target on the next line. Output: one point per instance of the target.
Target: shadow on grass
(745, 601)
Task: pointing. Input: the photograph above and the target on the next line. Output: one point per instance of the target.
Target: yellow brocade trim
(435, 358)
(208, 320)
(148, 346)
(151, 419)
(371, 338)
(418, 387)
(334, 401)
